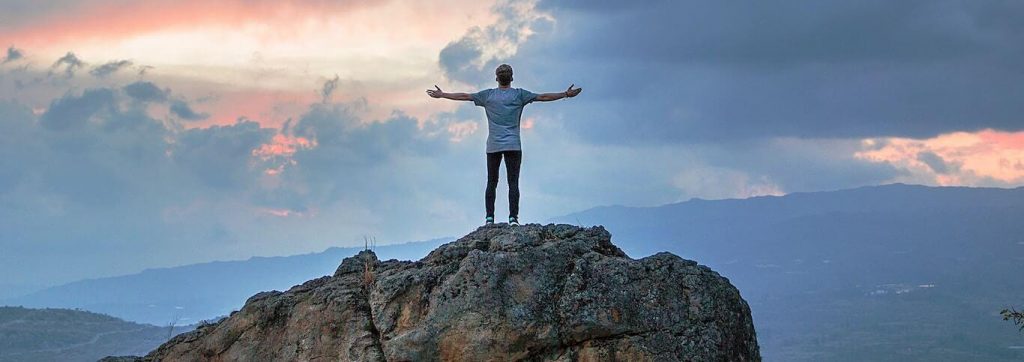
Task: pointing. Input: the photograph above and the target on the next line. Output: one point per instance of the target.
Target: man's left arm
(438, 93)
(569, 93)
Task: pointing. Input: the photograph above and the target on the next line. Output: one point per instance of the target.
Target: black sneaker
(514, 221)
(489, 220)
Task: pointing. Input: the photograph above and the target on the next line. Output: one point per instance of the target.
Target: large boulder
(531, 292)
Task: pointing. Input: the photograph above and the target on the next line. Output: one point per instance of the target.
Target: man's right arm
(569, 93)
(438, 93)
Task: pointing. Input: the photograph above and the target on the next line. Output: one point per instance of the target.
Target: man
(504, 106)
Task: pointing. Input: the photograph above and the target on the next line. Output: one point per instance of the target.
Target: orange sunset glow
(264, 59)
(964, 158)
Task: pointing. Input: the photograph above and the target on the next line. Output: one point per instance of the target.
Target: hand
(572, 92)
(435, 93)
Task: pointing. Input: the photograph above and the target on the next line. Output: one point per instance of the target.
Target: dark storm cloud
(73, 110)
(96, 149)
(219, 155)
(104, 160)
(109, 68)
(458, 58)
(346, 146)
(328, 89)
(464, 58)
(767, 35)
(96, 176)
(99, 178)
(181, 109)
(670, 72)
(342, 134)
(12, 55)
(145, 92)
(67, 64)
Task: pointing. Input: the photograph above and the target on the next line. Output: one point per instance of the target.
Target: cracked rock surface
(531, 292)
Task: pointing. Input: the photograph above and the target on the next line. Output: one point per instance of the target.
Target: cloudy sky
(160, 133)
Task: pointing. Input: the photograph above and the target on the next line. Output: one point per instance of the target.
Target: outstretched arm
(453, 96)
(569, 93)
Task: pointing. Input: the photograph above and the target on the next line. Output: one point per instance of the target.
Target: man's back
(504, 108)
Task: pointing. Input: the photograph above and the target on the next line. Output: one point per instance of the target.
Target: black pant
(513, 159)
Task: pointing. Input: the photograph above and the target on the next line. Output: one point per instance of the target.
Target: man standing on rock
(504, 106)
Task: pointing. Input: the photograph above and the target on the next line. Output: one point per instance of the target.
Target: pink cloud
(278, 153)
(282, 146)
(460, 130)
(115, 19)
(959, 158)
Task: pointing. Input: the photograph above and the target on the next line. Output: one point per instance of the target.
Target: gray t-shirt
(504, 107)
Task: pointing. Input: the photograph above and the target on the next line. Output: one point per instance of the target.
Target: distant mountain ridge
(74, 335)
(914, 271)
(201, 291)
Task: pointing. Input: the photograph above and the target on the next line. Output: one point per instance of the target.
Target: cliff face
(554, 292)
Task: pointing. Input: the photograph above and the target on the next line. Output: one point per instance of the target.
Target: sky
(161, 133)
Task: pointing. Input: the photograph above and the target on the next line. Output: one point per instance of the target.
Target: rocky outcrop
(531, 292)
